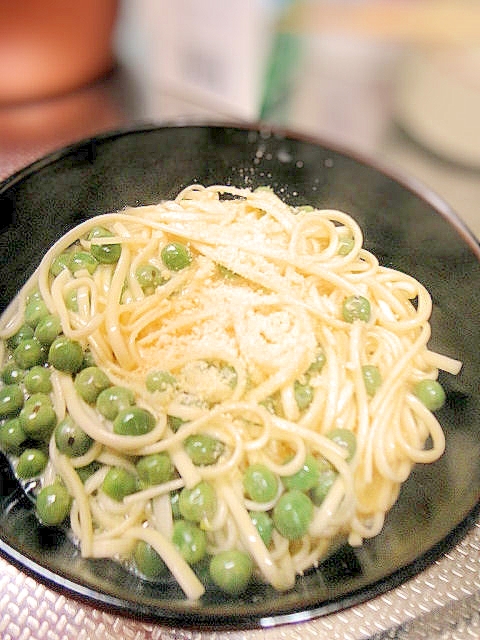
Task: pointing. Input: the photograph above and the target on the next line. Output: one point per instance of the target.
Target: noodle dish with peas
(218, 388)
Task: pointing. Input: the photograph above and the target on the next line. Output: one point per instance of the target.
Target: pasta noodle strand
(227, 335)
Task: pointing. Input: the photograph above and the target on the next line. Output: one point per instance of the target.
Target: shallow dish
(404, 225)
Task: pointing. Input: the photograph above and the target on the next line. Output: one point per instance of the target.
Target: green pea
(11, 400)
(306, 477)
(35, 310)
(48, 328)
(34, 295)
(81, 260)
(303, 394)
(263, 524)
(88, 470)
(37, 379)
(90, 382)
(60, 262)
(226, 273)
(174, 422)
(149, 277)
(198, 503)
(356, 308)
(12, 435)
(38, 417)
(156, 468)
(148, 562)
(324, 464)
(176, 256)
(231, 571)
(114, 399)
(29, 353)
(24, 333)
(203, 449)
(260, 483)
(271, 405)
(53, 504)
(12, 373)
(345, 438)
(174, 504)
(71, 439)
(292, 514)
(202, 570)
(430, 393)
(104, 253)
(134, 421)
(346, 242)
(88, 359)
(71, 300)
(229, 375)
(126, 294)
(65, 354)
(318, 363)
(190, 540)
(119, 483)
(159, 381)
(319, 492)
(31, 463)
(371, 378)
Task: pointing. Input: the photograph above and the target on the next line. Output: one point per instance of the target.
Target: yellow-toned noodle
(262, 361)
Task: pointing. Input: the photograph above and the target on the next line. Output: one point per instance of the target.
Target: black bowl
(406, 226)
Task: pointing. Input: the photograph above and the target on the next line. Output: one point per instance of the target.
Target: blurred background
(397, 80)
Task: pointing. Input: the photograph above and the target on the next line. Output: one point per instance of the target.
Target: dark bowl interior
(404, 225)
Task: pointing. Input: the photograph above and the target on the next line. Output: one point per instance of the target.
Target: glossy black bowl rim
(198, 621)
(195, 620)
(414, 185)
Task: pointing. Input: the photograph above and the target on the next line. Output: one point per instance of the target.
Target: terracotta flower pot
(52, 46)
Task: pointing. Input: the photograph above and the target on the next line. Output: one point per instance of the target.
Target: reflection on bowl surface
(404, 227)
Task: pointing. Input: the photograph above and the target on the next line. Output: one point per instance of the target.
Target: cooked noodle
(238, 328)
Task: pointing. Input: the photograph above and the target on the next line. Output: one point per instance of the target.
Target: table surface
(29, 610)
(359, 114)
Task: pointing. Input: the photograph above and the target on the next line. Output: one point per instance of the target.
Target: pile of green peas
(27, 414)
(28, 420)
(175, 256)
(231, 571)
(294, 497)
(76, 258)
